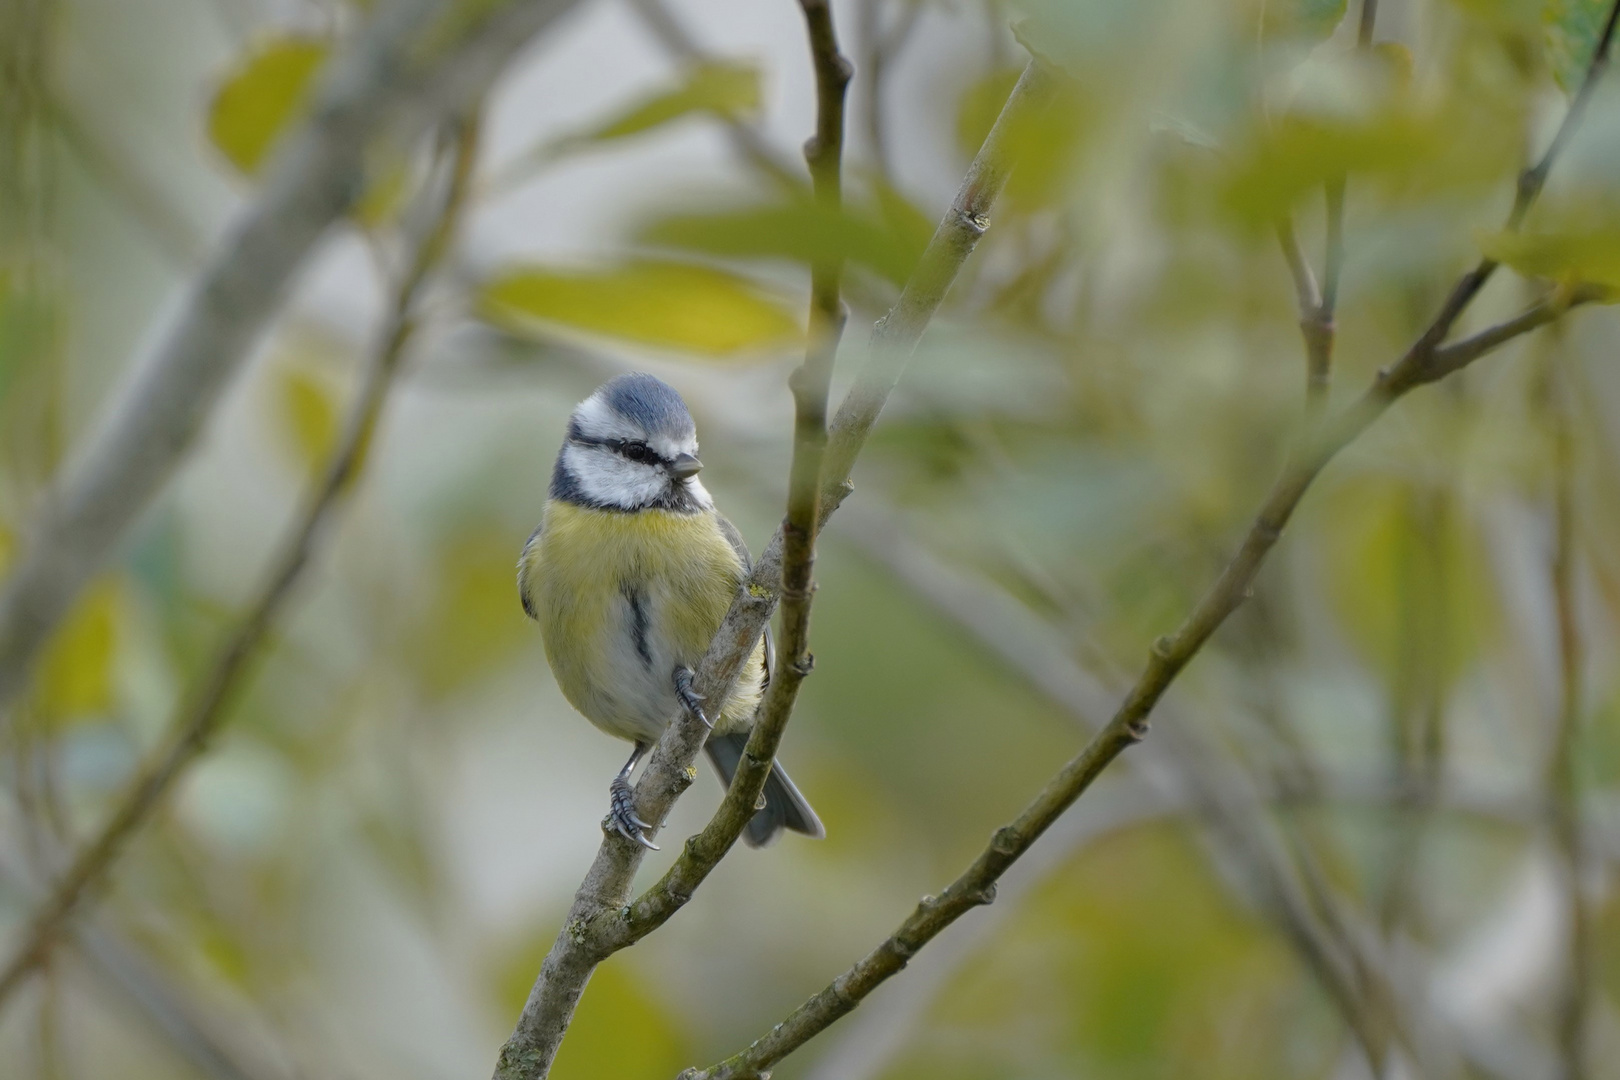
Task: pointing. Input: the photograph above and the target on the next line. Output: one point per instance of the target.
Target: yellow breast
(624, 598)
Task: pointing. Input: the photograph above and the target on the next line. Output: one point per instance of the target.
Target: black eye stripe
(632, 449)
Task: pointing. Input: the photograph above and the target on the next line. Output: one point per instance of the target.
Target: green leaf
(306, 400)
(76, 672)
(261, 96)
(720, 88)
(667, 304)
(1571, 256)
(1310, 20)
(1572, 29)
(887, 238)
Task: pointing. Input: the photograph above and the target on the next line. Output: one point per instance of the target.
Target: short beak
(685, 467)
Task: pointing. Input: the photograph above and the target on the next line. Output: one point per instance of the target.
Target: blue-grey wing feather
(740, 546)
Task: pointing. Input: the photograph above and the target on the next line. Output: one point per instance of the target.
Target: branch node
(1164, 647)
(976, 223)
(1004, 841)
(1137, 729)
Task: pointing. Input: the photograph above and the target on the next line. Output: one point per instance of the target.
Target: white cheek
(695, 488)
(606, 477)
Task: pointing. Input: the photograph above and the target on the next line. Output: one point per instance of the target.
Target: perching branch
(1168, 657)
(207, 707)
(415, 63)
(600, 920)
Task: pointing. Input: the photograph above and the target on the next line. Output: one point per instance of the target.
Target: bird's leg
(691, 700)
(622, 818)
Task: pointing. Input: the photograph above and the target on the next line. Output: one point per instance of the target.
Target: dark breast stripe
(638, 623)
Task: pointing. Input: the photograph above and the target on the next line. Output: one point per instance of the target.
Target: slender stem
(1317, 323)
(598, 923)
(1423, 362)
(208, 706)
(1573, 1009)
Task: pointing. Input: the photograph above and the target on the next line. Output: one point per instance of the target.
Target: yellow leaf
(667, 304)
(1572, 256)
(262, 95)
(307, 404)
(720, 88)
(76, 672)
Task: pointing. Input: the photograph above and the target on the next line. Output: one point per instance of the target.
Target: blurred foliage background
(360, 877)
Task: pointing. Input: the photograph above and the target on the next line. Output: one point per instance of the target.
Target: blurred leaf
(1512, 15)
(1590, 256)
(1572, 29)
(1410, 578)
(475, 622)
(1441, 151)
(76, 673)
(667, 304)
(979, 106)
(887, 242)
(262, 94)
(1307, 20)
(28, 321)
(720, 88)
(306, 404)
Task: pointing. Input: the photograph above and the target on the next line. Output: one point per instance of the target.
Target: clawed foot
(622, 817)
(691, 700)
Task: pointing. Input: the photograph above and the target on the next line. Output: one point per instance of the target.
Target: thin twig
(207, 708)
(1168, 657)
(415, 63)
(1573, 1009)
(1317, 322)
(601, 919)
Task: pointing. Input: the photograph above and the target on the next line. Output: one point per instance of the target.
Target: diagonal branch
(207, 708)
(416, 63)
(1168, 657)
(600, 921)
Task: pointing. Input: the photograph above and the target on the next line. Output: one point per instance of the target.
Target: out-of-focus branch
(879, 49)
(597, 923)
(1574, 1006)
(1317, 321)
(207, 707)
(746, 138)
(1167, 658)
(415, 63)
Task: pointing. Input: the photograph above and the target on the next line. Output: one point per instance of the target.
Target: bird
(629, 574)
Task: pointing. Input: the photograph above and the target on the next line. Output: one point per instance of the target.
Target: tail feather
(784, 807)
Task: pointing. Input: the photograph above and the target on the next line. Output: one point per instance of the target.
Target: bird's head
(631, 445)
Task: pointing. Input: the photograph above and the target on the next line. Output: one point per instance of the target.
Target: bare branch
(600, 920)
(415, 63)
(207, 708)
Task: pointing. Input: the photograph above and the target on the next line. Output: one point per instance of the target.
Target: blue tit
(629, 575)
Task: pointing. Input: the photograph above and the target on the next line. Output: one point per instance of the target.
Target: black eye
(637, 451)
